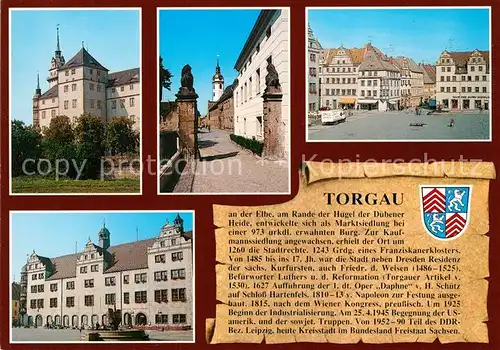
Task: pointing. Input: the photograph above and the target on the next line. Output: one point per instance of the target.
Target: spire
(218, 61)
(38, 91)
(58, 46)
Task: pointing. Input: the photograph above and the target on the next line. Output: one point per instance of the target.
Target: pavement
(395, 125)
(225, 167)
(70, 335)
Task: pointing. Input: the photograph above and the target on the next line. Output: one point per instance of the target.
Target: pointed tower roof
(38, 91)
(58, 47)
(83, 58)
(217, 75)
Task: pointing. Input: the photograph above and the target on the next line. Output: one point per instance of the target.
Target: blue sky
(112, 37)
(417, 33)
(55, 234)
(195, 37)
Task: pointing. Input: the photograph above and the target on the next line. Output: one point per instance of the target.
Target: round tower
(104, 237)
(179, 223)
(217, 83)
(36, 103)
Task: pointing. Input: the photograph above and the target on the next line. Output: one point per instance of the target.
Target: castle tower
(217, 83)
(36, 103)
(104, 237)
(56, 63)
(179, 223)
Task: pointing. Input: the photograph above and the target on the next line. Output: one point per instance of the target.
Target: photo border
(353, 8)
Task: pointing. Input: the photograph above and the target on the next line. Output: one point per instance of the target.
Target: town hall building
(83, 85)
(150, 281)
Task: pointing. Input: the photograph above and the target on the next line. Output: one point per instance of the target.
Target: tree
(89, 137)
(26, 145)
(59, 144)
(165, 77)
(120, 136)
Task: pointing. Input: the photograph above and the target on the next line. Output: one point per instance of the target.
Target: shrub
(253, 145)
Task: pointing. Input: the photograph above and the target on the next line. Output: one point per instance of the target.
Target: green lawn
(31, 184)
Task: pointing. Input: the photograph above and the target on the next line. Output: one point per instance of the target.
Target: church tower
(217, 83)
(36, 103)
(104, 237)
(56, 63)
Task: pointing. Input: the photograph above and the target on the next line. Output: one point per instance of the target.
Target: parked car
(333, 116)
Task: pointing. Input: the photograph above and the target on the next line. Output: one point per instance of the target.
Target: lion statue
(272, 78)
(187, 79)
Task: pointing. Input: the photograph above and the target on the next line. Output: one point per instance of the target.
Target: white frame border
(158, 160)
(139, 9)
(12, 212)
(489, 8)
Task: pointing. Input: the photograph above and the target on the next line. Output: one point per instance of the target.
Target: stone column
(186, 111)
(274, 136)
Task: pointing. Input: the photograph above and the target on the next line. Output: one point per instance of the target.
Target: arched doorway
(141, 319)
(104, 320)
(94, 320)
(127, 319)
(39, 321)
(57, 320)
(66, 321)
(74, 321)
(85, 320)
(30, 321)
(49, 320)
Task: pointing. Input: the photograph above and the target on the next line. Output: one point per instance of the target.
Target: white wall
(247, 110)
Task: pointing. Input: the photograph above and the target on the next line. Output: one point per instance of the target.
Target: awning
(367, 101)
(348, 100)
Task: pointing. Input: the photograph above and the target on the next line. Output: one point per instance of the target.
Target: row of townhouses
(366, 78)
(149, 280)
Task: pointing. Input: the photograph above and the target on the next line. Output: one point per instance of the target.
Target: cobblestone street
(73, 335)
(375, 125)
(227, 168)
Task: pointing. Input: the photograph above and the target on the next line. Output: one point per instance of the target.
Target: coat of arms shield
(445, 210)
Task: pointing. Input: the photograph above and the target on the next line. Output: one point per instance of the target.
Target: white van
(334, 116)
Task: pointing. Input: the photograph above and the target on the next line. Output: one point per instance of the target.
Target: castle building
(83, 85)
(149, 280)
(463, 80)
(268, 42)
(313, 53)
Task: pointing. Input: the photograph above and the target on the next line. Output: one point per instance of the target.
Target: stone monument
(186, 111)
(274, 138)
